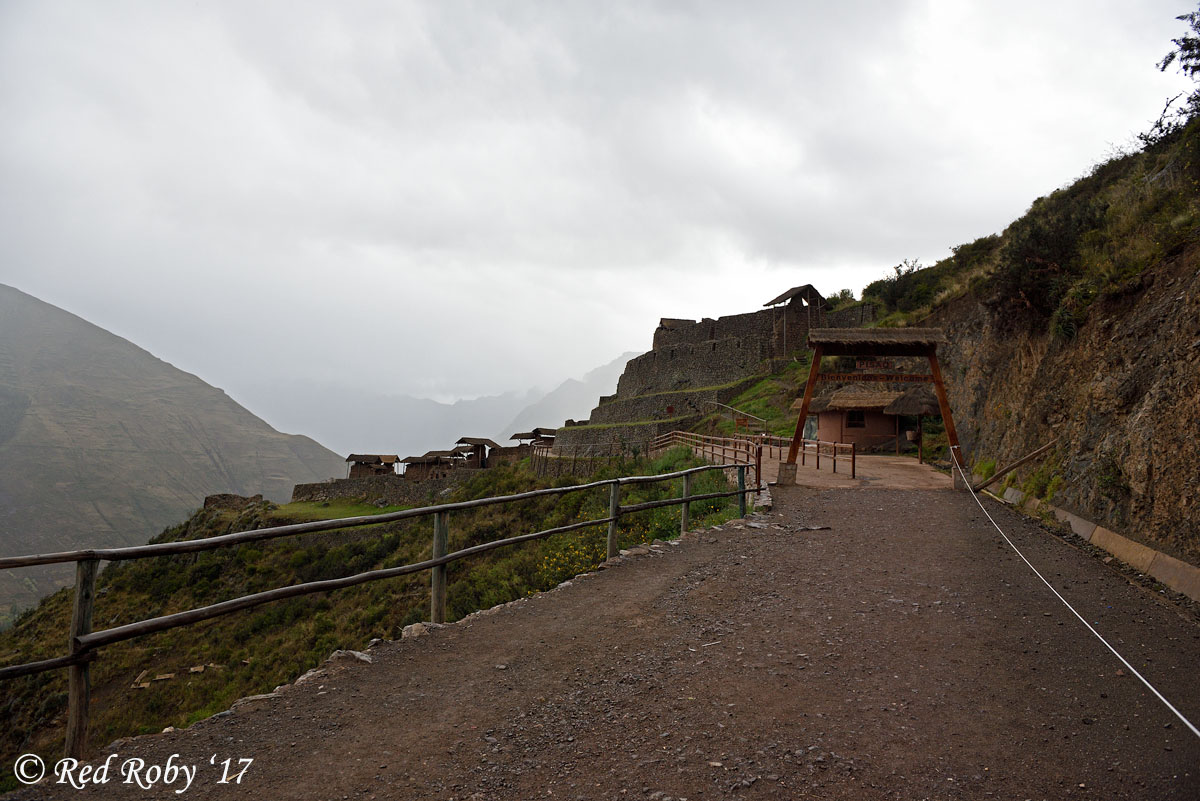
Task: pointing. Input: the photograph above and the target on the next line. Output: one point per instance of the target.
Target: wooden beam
(939, 388)
(880, 377)
(79, 680)
(437, 576)
(999, 474)
(813, 371)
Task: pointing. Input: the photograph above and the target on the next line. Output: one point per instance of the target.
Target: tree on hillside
(1187, 55)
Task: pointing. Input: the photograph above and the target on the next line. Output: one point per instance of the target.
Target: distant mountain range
(357, 420)
(103, 444)
(572, 399)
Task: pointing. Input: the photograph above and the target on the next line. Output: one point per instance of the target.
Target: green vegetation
(769, 398)
(254, 651)
(985, 468)
(1045, 481)
(912, 290)
(1089, 241)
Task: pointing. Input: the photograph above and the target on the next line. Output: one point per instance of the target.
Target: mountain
(362, 420)
(103, 444)
(359, 420)
(571, 400)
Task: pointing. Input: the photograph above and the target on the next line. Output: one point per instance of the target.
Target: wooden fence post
(614, 511)
(437, 580)
(685, 518)
(79, 681)
(741, 491)
(853, 452)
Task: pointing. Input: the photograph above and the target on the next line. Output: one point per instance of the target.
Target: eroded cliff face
(1122, 396)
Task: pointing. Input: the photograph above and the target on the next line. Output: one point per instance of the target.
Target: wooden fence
(777, 447)
(82, 642)
(582, 460)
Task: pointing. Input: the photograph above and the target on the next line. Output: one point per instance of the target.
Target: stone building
(694, 364)
(371, 464)
(476, 450)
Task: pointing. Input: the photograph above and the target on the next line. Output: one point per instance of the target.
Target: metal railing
(82, 642)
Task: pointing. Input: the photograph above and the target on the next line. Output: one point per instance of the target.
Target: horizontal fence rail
(83, 642)
(550, 460)
(777, 447)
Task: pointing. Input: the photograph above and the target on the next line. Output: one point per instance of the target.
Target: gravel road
(903, 653)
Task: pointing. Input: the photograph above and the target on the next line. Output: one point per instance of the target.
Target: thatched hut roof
(433, 457)
(373, 458)
(476, 441)
(851, 398)
(918, 400)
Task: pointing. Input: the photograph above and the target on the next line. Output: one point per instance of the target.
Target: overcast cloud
(455, 199)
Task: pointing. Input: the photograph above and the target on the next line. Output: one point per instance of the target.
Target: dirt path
(904, 653)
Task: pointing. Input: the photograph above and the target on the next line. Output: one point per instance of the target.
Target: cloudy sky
(451, 199)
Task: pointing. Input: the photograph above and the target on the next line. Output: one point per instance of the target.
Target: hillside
(253, 651)
(1082, 321)
(101, 443)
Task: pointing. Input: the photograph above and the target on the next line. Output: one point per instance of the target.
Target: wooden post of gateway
(787, 470)
(437, 579)
(939, 389)
(79, 680)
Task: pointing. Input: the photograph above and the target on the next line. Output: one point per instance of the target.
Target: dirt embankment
(905, 652)
(1123, 397)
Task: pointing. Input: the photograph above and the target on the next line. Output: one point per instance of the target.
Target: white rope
(1124, 661)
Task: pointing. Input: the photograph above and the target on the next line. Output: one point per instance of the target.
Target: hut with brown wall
(476, 450)
(434, 464)
(856, 415)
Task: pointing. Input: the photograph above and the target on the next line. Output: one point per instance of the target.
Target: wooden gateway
(920, 342)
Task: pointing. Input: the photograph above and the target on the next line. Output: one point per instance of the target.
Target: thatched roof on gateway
(876, 341)
(918, 400)
(851, 398)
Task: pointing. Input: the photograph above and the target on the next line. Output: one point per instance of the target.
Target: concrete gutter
(1174, 573)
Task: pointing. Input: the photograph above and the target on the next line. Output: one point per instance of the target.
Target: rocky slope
(1082, 321)
(1122, 396)
(103, 444)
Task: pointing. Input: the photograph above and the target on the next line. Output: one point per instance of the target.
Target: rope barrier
(1082, 619)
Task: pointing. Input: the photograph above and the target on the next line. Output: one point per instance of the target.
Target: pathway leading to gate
(871, 470)
(904, 652)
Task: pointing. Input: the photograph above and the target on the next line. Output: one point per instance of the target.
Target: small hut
(856, 415)
(434, 464)
(364, 465)
(917, 402)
